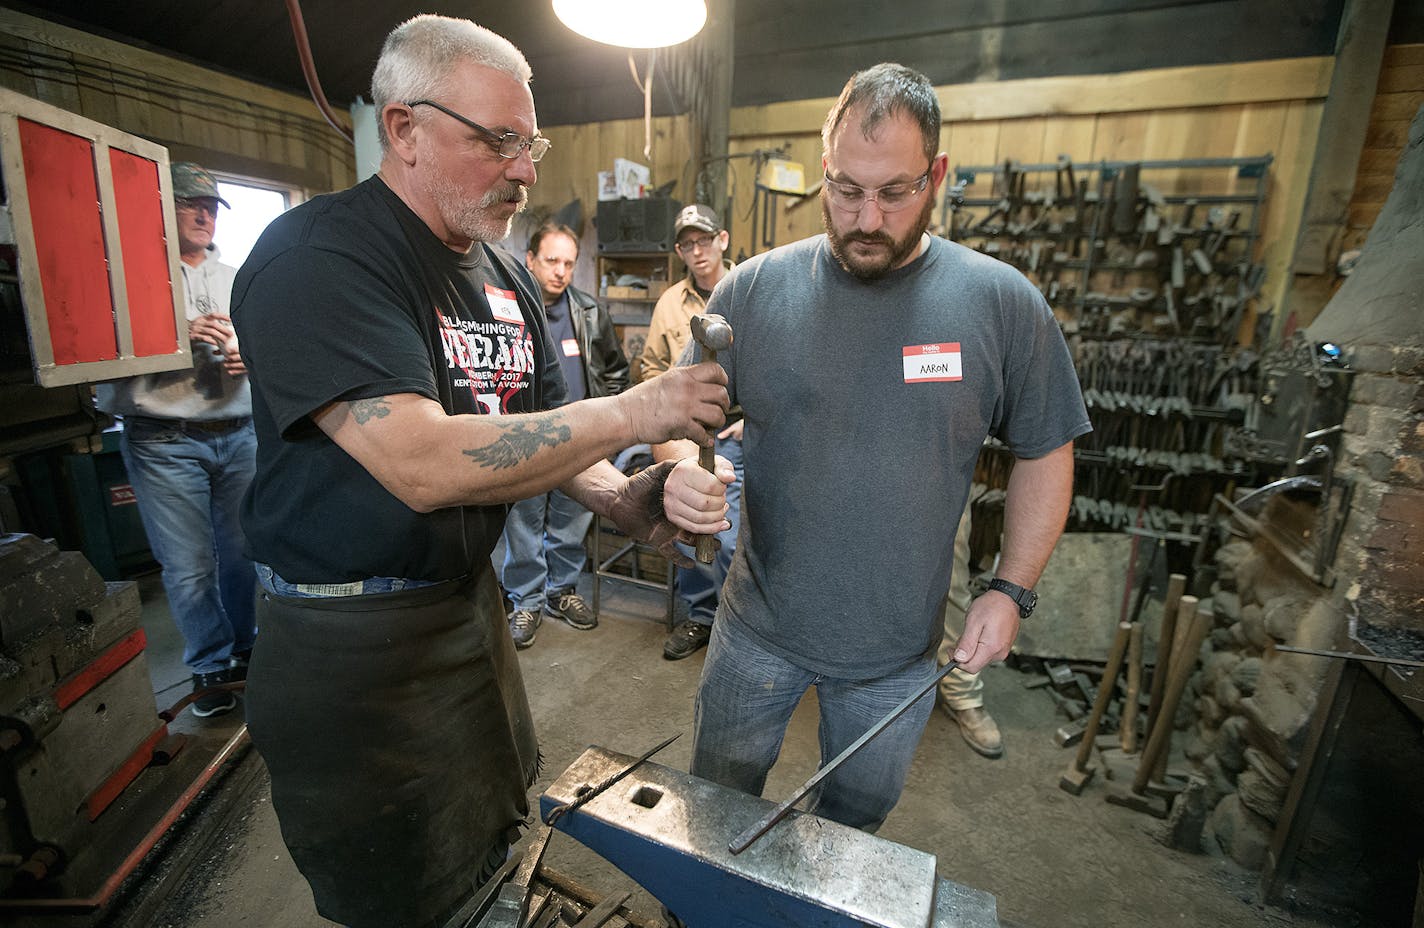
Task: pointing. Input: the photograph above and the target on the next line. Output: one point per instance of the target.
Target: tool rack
(1114, 253)
(1151, 283)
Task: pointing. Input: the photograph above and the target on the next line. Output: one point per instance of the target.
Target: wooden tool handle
(707, 459)
(1105, 693)
(1159, 738)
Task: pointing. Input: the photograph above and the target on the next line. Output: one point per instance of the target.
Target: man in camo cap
(190, 452)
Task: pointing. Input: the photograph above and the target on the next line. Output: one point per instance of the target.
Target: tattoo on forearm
(364, 411)
(520, 442)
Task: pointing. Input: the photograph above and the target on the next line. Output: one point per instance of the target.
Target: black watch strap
(1026, 599)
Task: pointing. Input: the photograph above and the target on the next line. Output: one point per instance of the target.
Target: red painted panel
(69, 239)
(150, 290)
(73, 687)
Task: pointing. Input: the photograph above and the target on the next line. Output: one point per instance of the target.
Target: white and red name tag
(933, 363)
(571, 348)
(503, 305)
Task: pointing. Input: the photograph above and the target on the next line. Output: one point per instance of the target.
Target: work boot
(216, 702)
(569, 606)
(685, 640)
(979, 729)
(523, 625)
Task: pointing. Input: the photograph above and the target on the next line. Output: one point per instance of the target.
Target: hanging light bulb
(634, 23)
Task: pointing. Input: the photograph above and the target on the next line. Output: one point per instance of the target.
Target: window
(252, 206)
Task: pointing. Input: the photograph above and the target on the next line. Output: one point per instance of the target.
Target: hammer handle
(707, 459)
(707, 544)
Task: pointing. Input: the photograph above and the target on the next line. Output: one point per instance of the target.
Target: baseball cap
(696, 216)
(191, 181)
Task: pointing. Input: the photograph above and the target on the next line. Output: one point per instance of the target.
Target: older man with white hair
(405, 391)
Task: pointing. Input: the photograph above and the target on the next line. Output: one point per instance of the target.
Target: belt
(197, 425)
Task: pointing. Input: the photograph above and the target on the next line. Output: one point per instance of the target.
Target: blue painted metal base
(669, 831)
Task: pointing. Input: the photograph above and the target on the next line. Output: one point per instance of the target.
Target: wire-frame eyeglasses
(509, 144)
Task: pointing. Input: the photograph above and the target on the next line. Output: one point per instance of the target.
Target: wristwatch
(1026, 599)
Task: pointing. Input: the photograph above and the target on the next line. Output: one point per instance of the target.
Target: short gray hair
(420, 53)
(883, 91)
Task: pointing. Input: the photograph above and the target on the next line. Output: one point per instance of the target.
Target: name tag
(571, 348)
(503, 305)
(932, 363)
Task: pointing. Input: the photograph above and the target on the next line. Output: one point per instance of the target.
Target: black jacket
(605, 366)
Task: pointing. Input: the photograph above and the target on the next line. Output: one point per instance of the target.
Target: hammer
(714, 334)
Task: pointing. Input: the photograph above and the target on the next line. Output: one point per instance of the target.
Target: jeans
(544, 551)
(701, 586)
(273, 583)
(745, 701)
(189, 484)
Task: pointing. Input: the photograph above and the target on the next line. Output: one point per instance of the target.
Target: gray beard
(899, 249)
(472, 220)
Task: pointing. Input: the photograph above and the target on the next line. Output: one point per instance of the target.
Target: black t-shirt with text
(350, 296)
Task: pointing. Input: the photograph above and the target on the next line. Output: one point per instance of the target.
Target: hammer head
(712, 332)
(1073, 779)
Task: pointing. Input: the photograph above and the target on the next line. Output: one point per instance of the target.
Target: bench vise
(669, 831)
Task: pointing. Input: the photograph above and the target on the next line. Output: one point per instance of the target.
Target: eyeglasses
(509, 144)
(695, 244)
(552, 262)
(890, 198)
(206, 206)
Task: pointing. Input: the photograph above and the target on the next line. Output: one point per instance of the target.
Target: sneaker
(237, 665)
(685, 640)
(979, 729)
(569, 606)
(523, 625)
(214, 702)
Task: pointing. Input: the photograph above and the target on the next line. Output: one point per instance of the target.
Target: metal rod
(745, 840)
(1349, 656)
(560, 811)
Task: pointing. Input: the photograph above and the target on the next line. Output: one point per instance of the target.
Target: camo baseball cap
(191, 181)
(696, 216)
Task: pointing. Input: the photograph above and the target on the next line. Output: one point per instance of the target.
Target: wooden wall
(201, 115)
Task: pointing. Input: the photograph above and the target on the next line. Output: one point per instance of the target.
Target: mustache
(504, 193)
(869, 238)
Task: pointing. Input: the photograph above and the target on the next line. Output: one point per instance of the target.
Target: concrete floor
(1051, 859)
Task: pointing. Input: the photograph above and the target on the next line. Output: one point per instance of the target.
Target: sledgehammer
(714, 334)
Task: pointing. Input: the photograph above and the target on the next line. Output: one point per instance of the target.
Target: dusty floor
(1051, 859)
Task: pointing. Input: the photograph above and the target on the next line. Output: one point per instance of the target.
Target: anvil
(669, 831)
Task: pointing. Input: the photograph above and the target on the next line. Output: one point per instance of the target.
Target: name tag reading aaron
(933, 363)
(503, 305)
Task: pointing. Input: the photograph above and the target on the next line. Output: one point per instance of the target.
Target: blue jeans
(189, 484)
(701, 586)
(273, 583)
(544, 552)
(745, 701)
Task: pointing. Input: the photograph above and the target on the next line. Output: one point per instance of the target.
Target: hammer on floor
(713, 334)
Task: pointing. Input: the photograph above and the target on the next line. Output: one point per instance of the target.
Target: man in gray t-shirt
(871, 363)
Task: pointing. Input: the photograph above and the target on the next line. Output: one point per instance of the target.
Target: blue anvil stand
(669, 831)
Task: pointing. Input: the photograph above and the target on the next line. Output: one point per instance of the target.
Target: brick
(1373, 359)
(1396, 538)
(1402, 507)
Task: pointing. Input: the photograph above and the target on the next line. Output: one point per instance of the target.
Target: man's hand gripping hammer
(713, 333)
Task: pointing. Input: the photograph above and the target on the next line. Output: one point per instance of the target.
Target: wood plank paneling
(210, 117)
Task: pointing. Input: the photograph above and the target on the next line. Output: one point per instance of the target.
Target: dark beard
(899, 250)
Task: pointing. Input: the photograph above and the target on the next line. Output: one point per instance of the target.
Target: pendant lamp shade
(634, 23)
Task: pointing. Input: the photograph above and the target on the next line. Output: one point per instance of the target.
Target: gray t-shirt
(866, 405)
